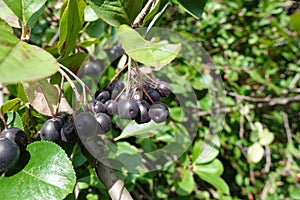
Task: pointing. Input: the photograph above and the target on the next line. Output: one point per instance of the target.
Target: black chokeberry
(163, 88)
(118, 87)
(102, 95)
(9, 154)
(111, 107)
(51, 130)
(158, 112)
(143, 115)
(68, 133)
(86, 125)
(16, 135)
(104, 121)
(153, 94)
(128, 109)
(99, 107)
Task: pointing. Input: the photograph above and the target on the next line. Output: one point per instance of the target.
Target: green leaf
(266, 137)
(146, 52)
(8, 16)
(140, 130)
(70, 25)
(295, 21)
(214, 167)
(210, 150)
(49, 174)
(186, 183)
(255, 152)
(117, 12)
(214, 180)
(75, 61)
(25, 9)
(194, 8)
(42, 96)
(20, 61)
(14, 120)
(11, 105)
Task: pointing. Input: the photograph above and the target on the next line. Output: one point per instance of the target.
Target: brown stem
(107, 176)
(60, 94)
(116, 75)
(3, 120)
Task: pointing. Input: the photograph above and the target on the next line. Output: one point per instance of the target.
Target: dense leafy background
(256, 50)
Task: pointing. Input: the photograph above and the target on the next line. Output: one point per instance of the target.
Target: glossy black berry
(102, 95)
(111, 107)
(51, 130)
(68, 133)
(86, 125)
(104, 121)
(153, 94)
(99, 107)
(9, 154)
(143, 115)
(163, 88)
(158, 112)
(16, 135)
(128, 109)
(118, 88)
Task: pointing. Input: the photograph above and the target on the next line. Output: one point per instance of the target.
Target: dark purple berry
(111, 107)
(104, 121)
(51, 130)
(143, 115)
(16, 135)
(86, 125)
(9, 154)
(102, 95)
(119, 86)
(99, 107)
(163, 88)
(158, 112)
(128, 109)
(68, 133)
(153, 94)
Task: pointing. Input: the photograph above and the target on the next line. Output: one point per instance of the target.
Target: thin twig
(287, 128)
(128, 76)
(268, 100)
(83, 85)
(116, 75)
(77, 95)
(143, 12)
(268, 159)
(60, 94)
(3, 120)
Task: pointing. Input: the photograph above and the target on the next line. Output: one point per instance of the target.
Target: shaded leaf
(25, 9)
(49, 174)
(14, 120)
(11, 105)
(42, 96)
(255, 152)
(213, 167)
(186, 183)
(214, 180)
(8, 16)
(70, 24)
(210, 150)
(146, 52)
(116, 12)
(295, 21)
(20, 61)
(140, 130)
(194, 8)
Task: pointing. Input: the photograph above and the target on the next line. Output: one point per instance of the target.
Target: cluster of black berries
(140, 104)
(12, 142)
(56, 129)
